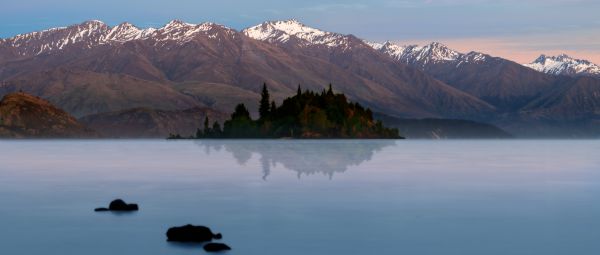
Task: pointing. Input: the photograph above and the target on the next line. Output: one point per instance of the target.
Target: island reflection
(306, 157)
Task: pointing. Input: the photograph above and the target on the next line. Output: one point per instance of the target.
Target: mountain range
(92, 68)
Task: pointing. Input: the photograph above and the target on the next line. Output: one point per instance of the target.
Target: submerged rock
(191, 233)
(216, 247)
(118, 205)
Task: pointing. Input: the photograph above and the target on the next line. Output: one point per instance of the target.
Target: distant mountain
(502, 83)
(26, 116)
(151, 123)
(564, 65)
(528, 102)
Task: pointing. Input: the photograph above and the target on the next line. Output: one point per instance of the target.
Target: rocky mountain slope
(24, 115)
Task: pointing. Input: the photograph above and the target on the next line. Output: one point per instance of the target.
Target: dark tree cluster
(308, 114)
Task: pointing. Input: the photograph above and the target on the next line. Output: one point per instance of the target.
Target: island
(308, 115)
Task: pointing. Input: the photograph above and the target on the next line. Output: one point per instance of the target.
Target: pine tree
(264, 107)
(299, 92)
(207, 131)
(216, 129)
(330, 90)
(241, 112)
(273, 107)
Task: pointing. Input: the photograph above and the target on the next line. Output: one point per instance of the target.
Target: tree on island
(305, 115)
(264, 107)
(240, 125)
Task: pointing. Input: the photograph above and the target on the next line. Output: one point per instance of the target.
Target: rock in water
(120, 205)
(216, 247)
(190, 233)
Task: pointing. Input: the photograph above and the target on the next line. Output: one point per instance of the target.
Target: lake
(456, 197)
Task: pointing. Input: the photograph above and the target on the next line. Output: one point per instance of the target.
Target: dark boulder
(216, 247)
(190, 233)
(118, 205)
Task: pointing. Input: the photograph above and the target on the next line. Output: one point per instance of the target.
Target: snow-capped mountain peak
(564, 65)
(125, 32)
(438, 52)
(177, 24)
(434, 52)
(283, 31)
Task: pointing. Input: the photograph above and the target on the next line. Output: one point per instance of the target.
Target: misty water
(303, 197)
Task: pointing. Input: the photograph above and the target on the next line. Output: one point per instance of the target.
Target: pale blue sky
(523, 27)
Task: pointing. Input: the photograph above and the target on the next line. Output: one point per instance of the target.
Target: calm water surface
(303, 197)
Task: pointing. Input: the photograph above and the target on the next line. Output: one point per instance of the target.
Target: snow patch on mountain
(284, 31)
(126, 32)
(87, 33)
(422, 56)
(564, 65)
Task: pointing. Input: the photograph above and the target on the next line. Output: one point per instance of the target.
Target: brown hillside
(26, 116)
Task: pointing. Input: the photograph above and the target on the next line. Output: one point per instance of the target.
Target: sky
(519, 30)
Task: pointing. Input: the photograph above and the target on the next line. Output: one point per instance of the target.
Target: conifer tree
(207, 130)
(273, 107)
(241, 112)
(299, 92)
(216, 129)
(264, 107)
(330, 90)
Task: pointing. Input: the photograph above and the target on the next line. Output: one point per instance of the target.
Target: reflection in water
(305, 157)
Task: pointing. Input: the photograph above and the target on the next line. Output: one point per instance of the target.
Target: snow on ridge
(434, 52)
(125, 32)
(283, 31)
(94, 32)
(376, 45)
(36, 43)
(183, 32)
(564, 65)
